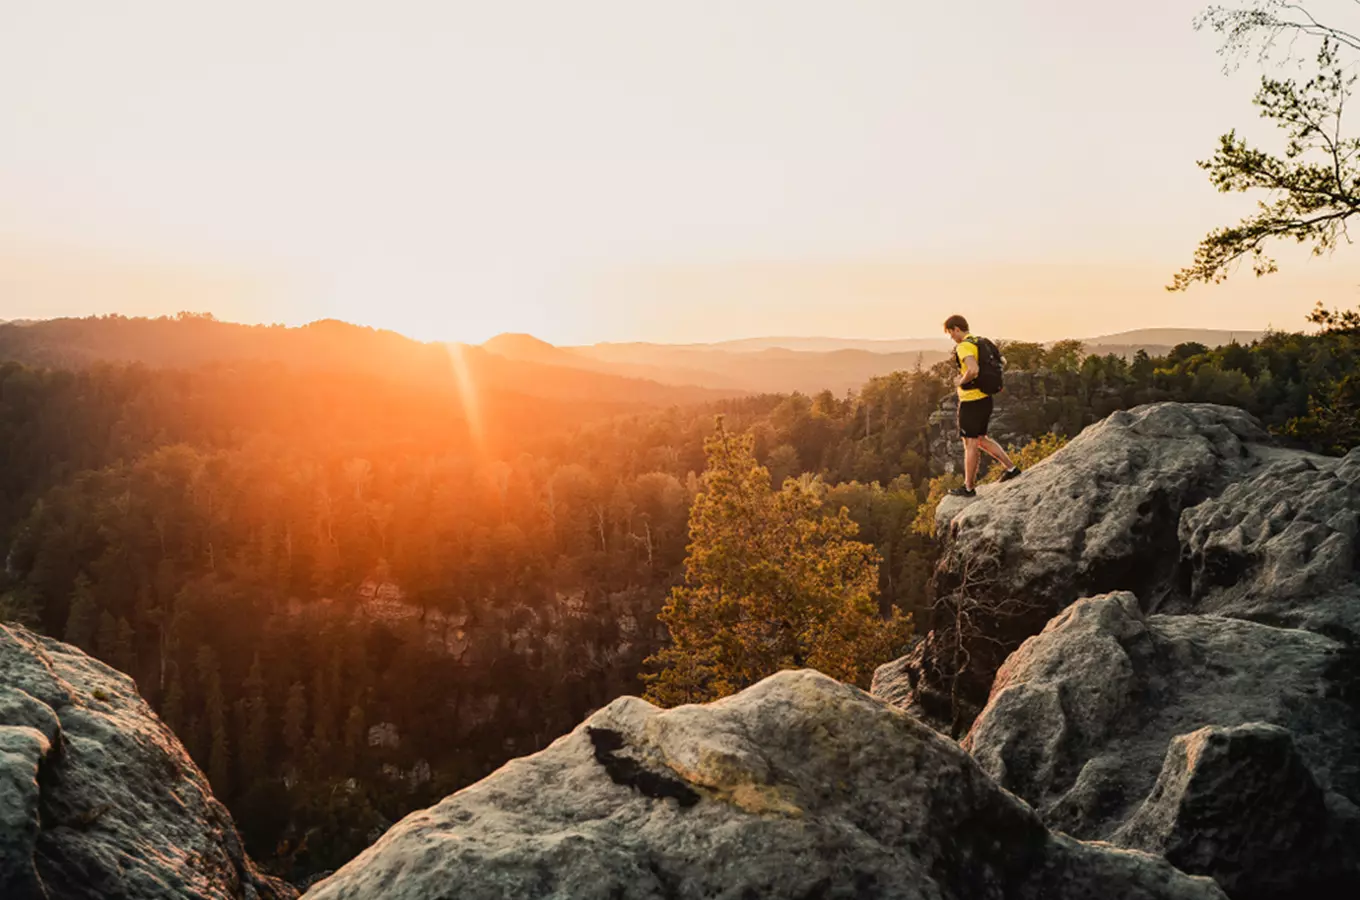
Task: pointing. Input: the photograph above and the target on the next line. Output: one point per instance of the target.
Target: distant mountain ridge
(637, 373)
(189, 341)
(1170, 337)
(806, 364)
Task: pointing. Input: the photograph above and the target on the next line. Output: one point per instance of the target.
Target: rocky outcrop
(1180, 598)
(797, 787)
(1229, 746)
(1241, 804)
(1101, 514)
(1278, 547)
(97, 797)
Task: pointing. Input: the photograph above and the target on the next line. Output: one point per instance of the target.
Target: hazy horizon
(917, 341)
(605, 172)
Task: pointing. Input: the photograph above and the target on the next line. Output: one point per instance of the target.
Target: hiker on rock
(979, 378)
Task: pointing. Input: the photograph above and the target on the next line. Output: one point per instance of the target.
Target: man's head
(956, 327)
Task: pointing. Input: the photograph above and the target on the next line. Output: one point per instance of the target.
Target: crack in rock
(630, 773)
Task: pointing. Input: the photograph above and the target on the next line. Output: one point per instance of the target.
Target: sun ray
(467, 392)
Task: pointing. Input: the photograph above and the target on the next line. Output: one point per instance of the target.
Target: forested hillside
(348, 601)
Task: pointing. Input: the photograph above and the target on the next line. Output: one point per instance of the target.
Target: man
(975, 411)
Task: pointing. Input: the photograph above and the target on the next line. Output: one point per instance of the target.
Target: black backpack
(989, 378)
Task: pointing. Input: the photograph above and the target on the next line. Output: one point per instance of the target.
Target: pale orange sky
(625, 170)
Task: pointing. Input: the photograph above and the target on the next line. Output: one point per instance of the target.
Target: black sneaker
(963, 492)
(1012, 472)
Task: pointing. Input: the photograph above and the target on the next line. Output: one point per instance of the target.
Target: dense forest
(350, 597)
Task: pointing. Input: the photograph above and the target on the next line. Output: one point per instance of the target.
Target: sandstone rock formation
(1240, 804)
(1101, 514)
(97, 797)
(1198, 693)
(797, 787)
(1229, 746)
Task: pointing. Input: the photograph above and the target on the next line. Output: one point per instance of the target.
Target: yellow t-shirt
(962, 351)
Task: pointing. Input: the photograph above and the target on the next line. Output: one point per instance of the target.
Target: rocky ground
(97, 797)
(1152, 637)
(797, 787)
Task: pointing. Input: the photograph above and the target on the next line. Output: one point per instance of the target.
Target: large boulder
(797, 787)
(1101, 514)
(1242, 805)
(97, 797)
(1081, 716)
(1229, 746)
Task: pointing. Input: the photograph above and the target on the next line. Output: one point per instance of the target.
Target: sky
(608, 170)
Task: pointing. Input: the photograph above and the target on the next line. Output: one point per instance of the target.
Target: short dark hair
(955, 322)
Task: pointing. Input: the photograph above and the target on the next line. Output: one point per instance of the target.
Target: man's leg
(970, 462)
(995, 451)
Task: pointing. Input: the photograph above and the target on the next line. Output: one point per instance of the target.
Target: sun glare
(467, 391)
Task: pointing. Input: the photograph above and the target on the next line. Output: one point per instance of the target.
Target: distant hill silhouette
(188, 341)
(829, 345)
(1170, 337)
(771, 369)
(606, 375)
(809, 365)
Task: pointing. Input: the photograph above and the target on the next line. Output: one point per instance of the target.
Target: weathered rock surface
(97, 797)
(1278, 547)
(1081, 716)
(1101, 514)
(797, 787)
(1205, 703)
(1241, 804)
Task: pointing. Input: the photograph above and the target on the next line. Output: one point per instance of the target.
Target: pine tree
(107, 637)
(197, 741)
(219, 761)
(125, 648)
(354, 662)
(771, 582)
(355, 735)
(323, 712)
(295, 722)
(255, 740)
(215, 708)
(82, 621)
(172, 710)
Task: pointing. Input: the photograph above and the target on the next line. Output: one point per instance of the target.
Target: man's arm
(970, 371)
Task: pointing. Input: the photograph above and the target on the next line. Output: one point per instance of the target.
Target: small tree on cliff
(770, 583)
(1312, 188)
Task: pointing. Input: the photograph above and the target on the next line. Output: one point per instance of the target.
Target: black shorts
(974, 415)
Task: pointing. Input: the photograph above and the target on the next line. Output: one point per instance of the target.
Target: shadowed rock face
(1242, 805)
(97, 797)
(1207, 708)
(797, 787)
